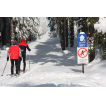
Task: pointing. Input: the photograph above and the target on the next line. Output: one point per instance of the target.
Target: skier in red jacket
(23, 45)
(14, 52)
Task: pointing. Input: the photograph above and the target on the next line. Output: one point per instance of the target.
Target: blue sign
(82, 40)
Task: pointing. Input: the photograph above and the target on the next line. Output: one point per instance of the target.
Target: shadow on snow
(46, 85)
(45, 54)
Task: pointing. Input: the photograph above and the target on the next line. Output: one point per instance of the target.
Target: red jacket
(14, 52)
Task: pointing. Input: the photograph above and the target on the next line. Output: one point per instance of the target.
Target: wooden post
(83, 68)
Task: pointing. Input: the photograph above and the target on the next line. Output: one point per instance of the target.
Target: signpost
(82, 50)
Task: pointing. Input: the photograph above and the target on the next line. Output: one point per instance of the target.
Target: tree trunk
(71, 35)
(9, 36)
(62, 36)
(9, 33)
(67, 33)
(62, 33)
(91, 30)
(3, 33)
(57, 34)
(23, 26)
(12, 36)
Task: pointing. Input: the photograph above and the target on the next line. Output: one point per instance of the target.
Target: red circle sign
(82, 52)
(89, 40)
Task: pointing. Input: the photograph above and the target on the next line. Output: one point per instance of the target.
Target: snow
(101, 25)
(52, 67)
(82, 32)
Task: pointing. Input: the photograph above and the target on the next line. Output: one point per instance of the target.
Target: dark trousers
(24, 60)
(12, 65)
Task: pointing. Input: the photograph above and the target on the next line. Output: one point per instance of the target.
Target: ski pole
(4, 69)
(29, 60)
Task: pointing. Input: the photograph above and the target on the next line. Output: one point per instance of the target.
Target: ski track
(46, 54)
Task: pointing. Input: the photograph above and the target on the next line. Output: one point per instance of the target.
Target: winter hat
(23, 40)
(14, 42)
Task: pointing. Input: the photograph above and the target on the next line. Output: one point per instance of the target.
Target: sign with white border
(82, 55)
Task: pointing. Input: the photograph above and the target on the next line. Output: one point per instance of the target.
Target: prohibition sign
(89, 40)
(82, 52)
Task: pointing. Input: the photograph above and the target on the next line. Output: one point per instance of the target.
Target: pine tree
(100, 42)
(90, 23)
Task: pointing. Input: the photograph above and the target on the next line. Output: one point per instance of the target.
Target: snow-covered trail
(50, 67)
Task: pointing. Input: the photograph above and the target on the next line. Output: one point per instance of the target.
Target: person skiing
(14, 52)
(23, 45)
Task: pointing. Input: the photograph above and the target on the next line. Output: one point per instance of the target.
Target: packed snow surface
(52, 67)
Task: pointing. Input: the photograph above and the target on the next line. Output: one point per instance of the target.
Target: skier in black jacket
(23, 45)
